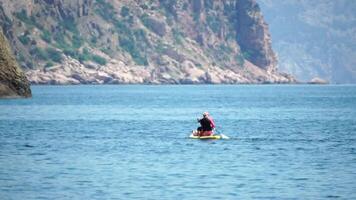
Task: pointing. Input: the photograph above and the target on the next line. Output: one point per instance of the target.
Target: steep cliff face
(13, 82)
(253, 35)
(158, 41)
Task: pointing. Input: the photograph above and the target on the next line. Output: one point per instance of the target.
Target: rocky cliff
(157, 41)
(13, 82)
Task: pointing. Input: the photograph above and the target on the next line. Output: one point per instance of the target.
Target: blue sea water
(130, 142)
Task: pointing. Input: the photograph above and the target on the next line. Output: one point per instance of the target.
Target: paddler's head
(205, 114)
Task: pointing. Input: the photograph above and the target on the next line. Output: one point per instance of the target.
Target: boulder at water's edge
(318, 80)
(13, 82)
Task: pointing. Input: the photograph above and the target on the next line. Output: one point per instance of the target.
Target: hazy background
(314, 37)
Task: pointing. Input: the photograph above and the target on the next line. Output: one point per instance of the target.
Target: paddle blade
(224, 137)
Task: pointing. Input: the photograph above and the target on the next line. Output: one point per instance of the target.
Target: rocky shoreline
(72, 72)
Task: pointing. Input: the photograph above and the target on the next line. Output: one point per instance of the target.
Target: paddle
(222, 135)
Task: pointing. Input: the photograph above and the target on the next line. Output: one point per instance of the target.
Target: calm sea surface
(130, 142)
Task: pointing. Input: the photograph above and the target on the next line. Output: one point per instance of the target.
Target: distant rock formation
(154, 42)
(314, 38)
(13, 82)
(318, 80)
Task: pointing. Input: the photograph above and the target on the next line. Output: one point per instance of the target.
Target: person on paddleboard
(207, 125)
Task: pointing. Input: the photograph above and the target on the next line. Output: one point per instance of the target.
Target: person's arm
(212, 123)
